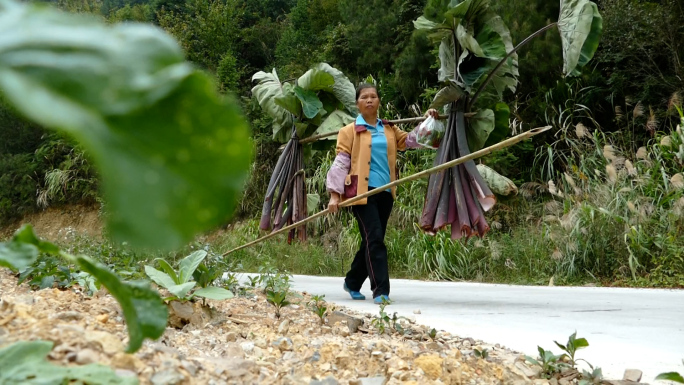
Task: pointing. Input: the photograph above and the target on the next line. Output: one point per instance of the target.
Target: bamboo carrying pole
(418, 175)
(397, 121)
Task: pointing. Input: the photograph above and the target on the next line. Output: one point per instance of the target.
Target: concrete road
(626, 328)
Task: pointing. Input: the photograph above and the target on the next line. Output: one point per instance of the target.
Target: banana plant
(320, 101)
(180, 283)
(477, 58)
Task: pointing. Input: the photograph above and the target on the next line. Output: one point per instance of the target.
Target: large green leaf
(447, 60)
(580, 26)
(501, 127)
(189, 264)
(25, 362)
(171, 154)
(311, 105)
(143, 309)
(316, 79)
(182, 290)
(478, 129)
(213, 292)
(312, 202)
(266, 91)
(333, 123)
(160, 278)
(424, 23)
(446, 95)
(22, 250)
(671, 376)
(343, 89)
(168, 270)
(289, 101)
(468, 41)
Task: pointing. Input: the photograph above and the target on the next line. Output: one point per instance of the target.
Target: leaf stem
(501, 63)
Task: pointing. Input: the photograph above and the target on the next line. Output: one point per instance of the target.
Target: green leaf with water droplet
(172, 154)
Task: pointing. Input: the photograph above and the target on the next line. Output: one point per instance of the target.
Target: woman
(366, 159)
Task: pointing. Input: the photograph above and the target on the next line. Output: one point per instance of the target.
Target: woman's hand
(432, 112)
(333, 205)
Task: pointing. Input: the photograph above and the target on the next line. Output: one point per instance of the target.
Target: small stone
(232, 349)
(167, 377)
(315, 357)
(190, 367)
(417, 311)
(110, 344)
(330, 380)
(102, 318)
(284, 327)
(369, 381)
(633, 375)
(527, 371)
(283, 343)
(122, 360)
(431, 365)
(231, 337)
(86, 356)
(352, 323)
(260, 343)
(247, 347)
(326, 329)
(68, 316)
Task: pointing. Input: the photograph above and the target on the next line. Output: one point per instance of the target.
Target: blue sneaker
(381, 298)
(355, 295)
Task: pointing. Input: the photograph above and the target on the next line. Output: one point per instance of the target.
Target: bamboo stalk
(397, 121)
(477, 154)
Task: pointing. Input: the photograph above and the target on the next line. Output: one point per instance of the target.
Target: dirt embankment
(54, 223)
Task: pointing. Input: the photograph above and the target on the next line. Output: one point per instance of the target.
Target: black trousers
(371, 259)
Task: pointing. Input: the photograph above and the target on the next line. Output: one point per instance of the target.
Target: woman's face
(368, 101)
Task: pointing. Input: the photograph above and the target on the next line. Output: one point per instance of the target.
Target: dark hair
(364, 86)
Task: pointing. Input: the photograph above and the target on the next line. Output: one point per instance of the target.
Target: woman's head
(367, 99)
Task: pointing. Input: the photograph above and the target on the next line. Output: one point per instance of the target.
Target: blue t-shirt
(379, 167)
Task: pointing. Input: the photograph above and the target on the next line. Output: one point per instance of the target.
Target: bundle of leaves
(318, 102)
(475, 42)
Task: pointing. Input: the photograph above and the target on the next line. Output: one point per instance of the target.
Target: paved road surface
(626, 328)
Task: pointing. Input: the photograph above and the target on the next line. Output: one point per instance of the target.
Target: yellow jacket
(355, 140)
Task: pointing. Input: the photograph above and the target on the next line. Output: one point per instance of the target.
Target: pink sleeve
(338, 172)
(412, 141)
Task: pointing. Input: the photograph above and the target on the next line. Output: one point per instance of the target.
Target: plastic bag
(430, 133)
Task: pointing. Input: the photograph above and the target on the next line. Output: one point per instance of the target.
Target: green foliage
(484, 353)
(572, 346)
(548, 362)
(641, 50)
(317, 305)
(228, 73)
(48, 271)
(143, 310)
(671, 376)
(321, 97)
(25, 362)
(156, 195)
(277, 298)
(205, 29)
(179, 283)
